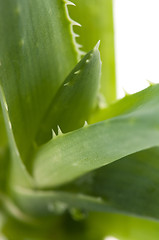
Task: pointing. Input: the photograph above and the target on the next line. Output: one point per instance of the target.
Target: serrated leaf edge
(74, 35)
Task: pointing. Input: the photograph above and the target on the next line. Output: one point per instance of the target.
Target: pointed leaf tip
(75, 100)
(97, 46)
(69, 3)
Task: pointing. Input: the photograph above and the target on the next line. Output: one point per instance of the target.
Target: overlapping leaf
(128, 186)
(76, 98)
(71, 155)
(36, 54)
(37, 51)
(96, 18)
(15, 169)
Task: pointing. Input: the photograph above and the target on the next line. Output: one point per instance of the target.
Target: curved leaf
(37, 52)
(128, 186)
(17, 171)
(76, 98)
(71, 155)
(49, 203)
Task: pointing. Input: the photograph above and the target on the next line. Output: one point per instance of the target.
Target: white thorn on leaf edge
(59, 130)
(53, 134)
(70, 3)
(76, 35)
(85, 124)
(75, 23)
(72, 23)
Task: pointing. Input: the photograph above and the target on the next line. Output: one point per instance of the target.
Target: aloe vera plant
(74, 161)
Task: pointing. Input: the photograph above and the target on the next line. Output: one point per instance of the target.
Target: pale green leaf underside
(36, 54)
(71, 155)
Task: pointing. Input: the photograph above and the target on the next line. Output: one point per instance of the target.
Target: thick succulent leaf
(16, 169)
(129, 186)
(37, 52)
(123, 106)
(49, 203)
(68, 156)
(96, 18)
(76, 98)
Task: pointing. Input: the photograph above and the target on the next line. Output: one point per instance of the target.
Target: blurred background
(136, 44)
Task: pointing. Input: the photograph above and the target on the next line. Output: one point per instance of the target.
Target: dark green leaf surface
(76, 98)
(71, 155)
(36, 54)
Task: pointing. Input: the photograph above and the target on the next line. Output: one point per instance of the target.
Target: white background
(136, 43)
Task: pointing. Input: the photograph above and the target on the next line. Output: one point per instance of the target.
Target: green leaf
(37, 51)
(71, 155)
(123, 106)
(128, 186)
(3, 151)
(4, 168)
(96, 18)
(49, 203)
(16, 169)
(3, 135)
(121, 227)
(76, 98)
(131, 184)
